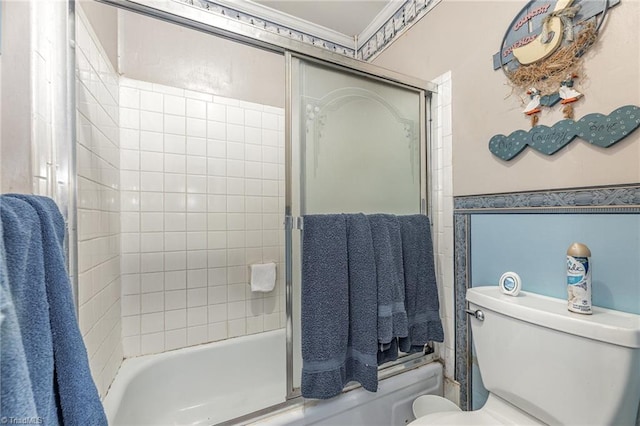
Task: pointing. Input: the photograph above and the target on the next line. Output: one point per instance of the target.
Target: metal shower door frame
(293, 190)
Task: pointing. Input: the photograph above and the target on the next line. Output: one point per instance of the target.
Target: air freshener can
(579, 278)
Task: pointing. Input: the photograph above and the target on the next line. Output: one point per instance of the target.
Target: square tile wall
(202, 198)
(98, 182)
(442, 198)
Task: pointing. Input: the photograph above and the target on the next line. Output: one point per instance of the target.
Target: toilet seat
(496, 411)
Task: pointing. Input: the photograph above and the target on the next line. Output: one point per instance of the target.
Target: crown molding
(231, 19)
(267, 13)
(409, 13)
(393, 21)
(378, 22)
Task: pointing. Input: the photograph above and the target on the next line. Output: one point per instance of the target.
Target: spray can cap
(578, 249)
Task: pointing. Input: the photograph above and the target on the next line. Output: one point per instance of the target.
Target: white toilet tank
(558, 366)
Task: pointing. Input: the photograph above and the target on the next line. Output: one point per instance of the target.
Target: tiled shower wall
(98, 183)
(202, 198)
(442, 198)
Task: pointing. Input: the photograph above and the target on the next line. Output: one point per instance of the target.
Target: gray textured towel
(421, 291)
(362, 363)
(387, 244)
(325, 305)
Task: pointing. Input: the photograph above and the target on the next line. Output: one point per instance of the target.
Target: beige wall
(104, 21)
(462, 36)
(159, 52)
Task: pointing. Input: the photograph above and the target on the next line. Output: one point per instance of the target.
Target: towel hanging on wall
(23, 245)
(16, 392)
(75, 396)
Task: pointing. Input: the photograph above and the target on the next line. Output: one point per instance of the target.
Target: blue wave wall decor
(597, 129)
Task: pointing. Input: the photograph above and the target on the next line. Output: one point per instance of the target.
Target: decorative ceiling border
(269, 26)
(266, 13)
(406, 16)
(376, 39)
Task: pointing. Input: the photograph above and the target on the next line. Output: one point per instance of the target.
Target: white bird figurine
(567, 93)
(534, 104)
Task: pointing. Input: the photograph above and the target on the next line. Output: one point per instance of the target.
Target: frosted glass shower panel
(360, 144)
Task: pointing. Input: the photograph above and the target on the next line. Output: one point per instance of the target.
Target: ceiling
(349, 17)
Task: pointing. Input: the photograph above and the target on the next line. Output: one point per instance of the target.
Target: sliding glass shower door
(357, 144)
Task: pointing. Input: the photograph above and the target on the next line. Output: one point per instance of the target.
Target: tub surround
(202, 199)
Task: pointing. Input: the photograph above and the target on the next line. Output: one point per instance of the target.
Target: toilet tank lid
(606, 325)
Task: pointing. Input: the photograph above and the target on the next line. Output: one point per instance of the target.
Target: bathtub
(220, 381)
(200, 385)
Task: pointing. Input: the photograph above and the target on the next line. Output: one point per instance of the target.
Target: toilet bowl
(429, 404)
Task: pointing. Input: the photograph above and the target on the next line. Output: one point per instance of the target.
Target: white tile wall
(443, 217)
(48, 138)
(202, 198)
(43, 62)
(98, 162)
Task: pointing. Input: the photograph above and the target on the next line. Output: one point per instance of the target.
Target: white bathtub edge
(132, 367)
(313, 411)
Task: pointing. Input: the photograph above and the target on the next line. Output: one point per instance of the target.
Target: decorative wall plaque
(597, 129)
(541, 53)
(542, 49)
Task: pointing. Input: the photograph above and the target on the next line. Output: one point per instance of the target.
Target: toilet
(545, 365)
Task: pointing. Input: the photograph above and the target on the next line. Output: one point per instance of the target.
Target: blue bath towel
(362, 365)
(325, 306)
(421, 291)
(22, 237)
(16, 394)
(78, 397)
(387, 244)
